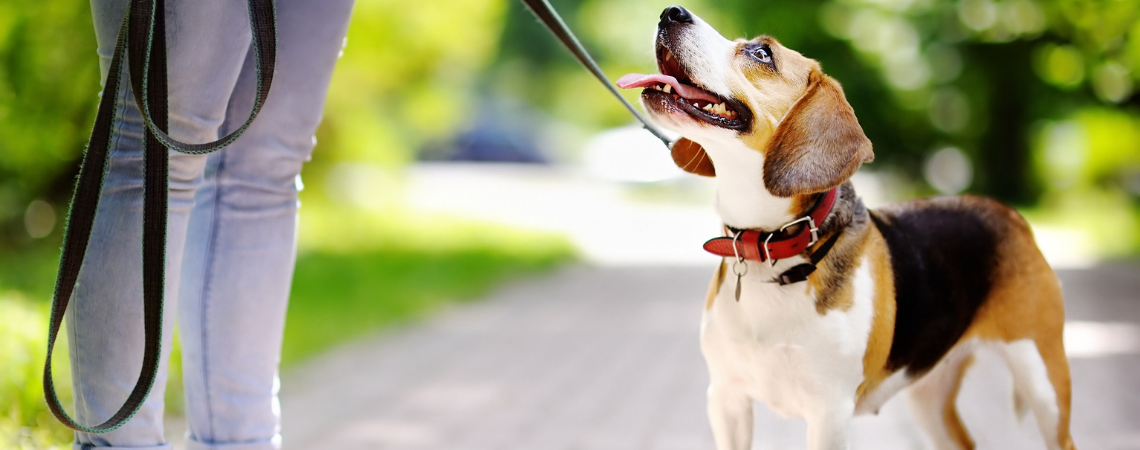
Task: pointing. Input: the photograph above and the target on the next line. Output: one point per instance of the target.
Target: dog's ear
(691, 157)
(819, 144)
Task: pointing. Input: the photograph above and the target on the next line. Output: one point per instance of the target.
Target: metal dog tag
(739, 260)
(739, 273)
(738, 288)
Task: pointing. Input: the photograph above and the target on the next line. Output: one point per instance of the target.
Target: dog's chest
(777, 347)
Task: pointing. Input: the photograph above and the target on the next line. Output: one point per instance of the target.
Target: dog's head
(753, 95)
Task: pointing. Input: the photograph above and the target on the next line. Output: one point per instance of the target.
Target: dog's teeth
(708, 107)
(668, 89)
(668, 56)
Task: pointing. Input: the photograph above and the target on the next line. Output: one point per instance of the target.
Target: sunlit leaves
(1060, 65)
(408, 75)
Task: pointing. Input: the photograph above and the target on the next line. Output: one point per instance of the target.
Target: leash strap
(800, 272)
(554, 23)
(142, 40)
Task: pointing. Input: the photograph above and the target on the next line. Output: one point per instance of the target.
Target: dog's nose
(675, 14)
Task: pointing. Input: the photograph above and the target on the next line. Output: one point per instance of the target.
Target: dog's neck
(742, 201)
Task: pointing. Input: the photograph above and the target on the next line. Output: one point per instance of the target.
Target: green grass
(360, 271)
(357, 272)
(25, 422)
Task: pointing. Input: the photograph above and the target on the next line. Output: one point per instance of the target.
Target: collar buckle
(812, 228)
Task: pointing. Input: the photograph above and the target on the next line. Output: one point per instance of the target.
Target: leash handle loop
(142, 39)
(554, 23)
(263, 25)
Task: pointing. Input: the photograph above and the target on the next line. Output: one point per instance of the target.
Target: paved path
(607, 358)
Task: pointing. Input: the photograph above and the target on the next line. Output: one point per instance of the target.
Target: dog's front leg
(829, 428)
(730, 414)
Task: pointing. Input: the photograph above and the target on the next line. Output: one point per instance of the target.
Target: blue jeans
(231, 237)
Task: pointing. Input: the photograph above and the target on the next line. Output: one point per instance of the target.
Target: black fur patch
(943, 256)
(850, 218)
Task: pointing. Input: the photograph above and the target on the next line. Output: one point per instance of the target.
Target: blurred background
(462, 147)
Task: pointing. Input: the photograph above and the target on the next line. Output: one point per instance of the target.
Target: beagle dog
(822, 308)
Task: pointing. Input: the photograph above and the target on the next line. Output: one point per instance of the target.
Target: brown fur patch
(950, 409)
(714, 286)
(772, 92)
(818, 145)
(802, 204)
(1026, 303)
(1026, 300)
(832, 279)
(1052, 349)
(883, 325)
(691, 157)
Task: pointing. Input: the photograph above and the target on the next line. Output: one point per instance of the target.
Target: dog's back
(968, 273)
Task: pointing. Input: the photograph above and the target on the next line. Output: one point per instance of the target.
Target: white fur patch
(1031, 380)
(874, 400)
(775, 346)
(742, 201)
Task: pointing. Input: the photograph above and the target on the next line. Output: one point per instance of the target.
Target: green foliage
(407, 76)
(988, 73)
(49, 82)
(25, 421)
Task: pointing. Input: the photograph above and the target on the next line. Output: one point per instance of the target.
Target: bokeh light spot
(1112, 82)
(1065, 148)
(39, 219)
(1060, 65)
(1022, 17)
(948, 170)
(977, 14)
(949, 110)
(945, 63)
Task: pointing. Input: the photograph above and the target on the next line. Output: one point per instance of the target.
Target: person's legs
(105, 318)
(241, 248)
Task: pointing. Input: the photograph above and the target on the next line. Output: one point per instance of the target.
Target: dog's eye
(762, 53)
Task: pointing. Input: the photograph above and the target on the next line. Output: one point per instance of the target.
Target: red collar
(764, 246)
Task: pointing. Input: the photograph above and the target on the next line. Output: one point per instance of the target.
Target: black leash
(554, 23)
(800, 273)
(142, 39)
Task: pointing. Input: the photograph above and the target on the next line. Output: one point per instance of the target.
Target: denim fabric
(231, 235)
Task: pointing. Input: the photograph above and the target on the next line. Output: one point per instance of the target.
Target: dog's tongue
(639, 80)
